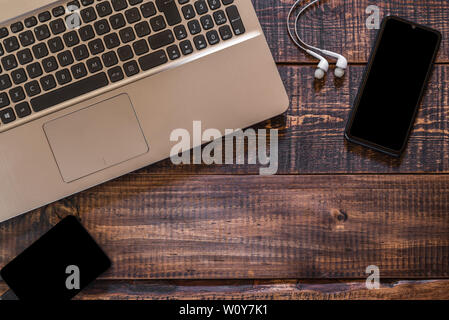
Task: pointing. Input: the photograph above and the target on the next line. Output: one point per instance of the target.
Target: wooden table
(309, 232)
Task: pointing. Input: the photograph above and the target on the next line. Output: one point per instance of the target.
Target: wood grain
(227, 227)
(311, 131)
(266, 290)
(340, 26)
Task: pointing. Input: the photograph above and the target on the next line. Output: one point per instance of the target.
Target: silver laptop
(91, 90)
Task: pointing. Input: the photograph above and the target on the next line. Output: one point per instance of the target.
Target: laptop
(91, 90)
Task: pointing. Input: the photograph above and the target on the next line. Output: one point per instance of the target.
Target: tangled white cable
(323, 65)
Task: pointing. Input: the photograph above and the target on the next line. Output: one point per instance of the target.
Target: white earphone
(323, 65)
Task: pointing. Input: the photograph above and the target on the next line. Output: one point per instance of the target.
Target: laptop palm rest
(95, 138)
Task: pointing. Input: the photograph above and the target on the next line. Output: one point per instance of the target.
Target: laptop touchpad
(95, 138)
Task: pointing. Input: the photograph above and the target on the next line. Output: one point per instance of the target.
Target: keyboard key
(19, 76)
(87, 2)
(7, 116)
(200, 42)
(86, 33)
(65, 58)
(117, 21)
(115, 74)
(142, 29)
(201, 7)
(3, 32)
(148, 9)
(161, 39)
(5, 82)
(109, 59)
(73, 5)
(127, 35)
(9, 62)
(71, 39)
(23, 109)
(153, 60)
(131, 68)
(79, 70)
(57, 26)
(32, 88)
(157, 23)
(48, 82)
(236, 21)
(207, 22)
(119, 4)
(125, 53)
(219, 17)
(4, 100)
(226, 2)
(71, 91)
(140, 47)
(170, 10)
(214, 4)
(183, 1)
(194, 27)
(11, 44)
(63, 76)
(25, 56)
(188, 12)
(225, 32)
(186, 47)
(180, 32)
(111, 41)
(40, 50)
(88, 15)
(104, 9)
(34, 70)
(134, 2)
(26, 38)
(132, 15)
(55, 45)
(80, 52)
(17, 94)
(212, 37)
(102, 27)
(173, 52)
(42, 32)
(94, 65)
(16, 27)
(30, 22)
(49, 64)
(96, 46)
(44, 16)
(2, 52)
(58, 11)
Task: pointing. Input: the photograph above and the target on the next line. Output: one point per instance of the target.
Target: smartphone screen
(399, 67)
(58, 265)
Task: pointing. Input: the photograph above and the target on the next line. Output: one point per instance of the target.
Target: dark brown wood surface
(333, 209)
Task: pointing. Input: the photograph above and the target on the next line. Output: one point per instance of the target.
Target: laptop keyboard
(82, 46)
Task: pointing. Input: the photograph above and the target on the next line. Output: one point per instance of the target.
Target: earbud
(322, 69)
(341, 64)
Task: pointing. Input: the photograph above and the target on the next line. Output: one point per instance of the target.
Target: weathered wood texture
(226, 227)
(340, 26)
(266, 290)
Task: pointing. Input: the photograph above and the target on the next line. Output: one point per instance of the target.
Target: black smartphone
(58, 265)
(387, 102)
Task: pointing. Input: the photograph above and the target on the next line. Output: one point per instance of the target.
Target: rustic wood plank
(265, 289)
(340, 26)
(311, 131)
(218, 227)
